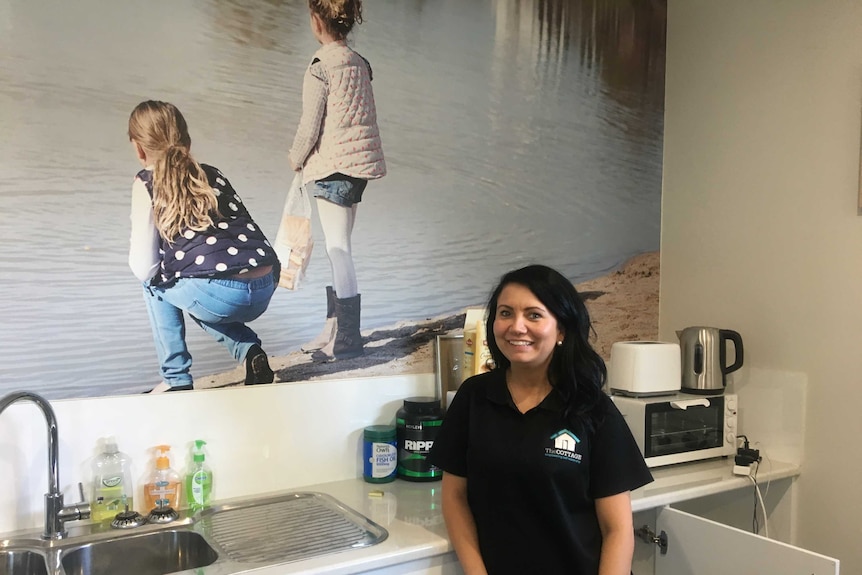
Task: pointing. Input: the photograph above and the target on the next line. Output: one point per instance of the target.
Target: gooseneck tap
(56, 514)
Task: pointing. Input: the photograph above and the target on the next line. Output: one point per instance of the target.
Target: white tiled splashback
(772, 411)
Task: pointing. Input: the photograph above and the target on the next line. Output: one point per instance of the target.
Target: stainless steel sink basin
(231, 538)
(22, 562)
(154, 553)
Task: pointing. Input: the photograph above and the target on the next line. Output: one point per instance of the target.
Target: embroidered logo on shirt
(565, 446)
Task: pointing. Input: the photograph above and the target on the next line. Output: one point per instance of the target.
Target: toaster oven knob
(731, 421)
(729, 437)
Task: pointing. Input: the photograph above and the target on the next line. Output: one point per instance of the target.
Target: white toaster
(644, 368)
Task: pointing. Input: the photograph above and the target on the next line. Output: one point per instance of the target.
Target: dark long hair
(576, 370)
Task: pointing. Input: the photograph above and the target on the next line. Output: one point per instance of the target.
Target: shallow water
(514, 131)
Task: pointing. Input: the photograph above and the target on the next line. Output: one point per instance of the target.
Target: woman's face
(525, 331)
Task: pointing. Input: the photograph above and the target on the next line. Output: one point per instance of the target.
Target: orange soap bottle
(163, 486)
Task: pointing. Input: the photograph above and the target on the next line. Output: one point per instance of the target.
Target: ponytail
(182, 197)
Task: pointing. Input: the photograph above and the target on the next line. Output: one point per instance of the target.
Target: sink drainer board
(288, 528)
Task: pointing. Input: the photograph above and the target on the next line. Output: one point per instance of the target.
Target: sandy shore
(623, 306)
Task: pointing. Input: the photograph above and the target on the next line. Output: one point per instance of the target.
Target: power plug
(745, 456)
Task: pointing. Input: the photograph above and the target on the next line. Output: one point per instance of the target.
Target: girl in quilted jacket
(337, 148)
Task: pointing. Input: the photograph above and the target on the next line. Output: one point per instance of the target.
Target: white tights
(337, 223)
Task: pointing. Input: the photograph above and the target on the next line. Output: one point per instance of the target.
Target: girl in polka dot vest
(196, 249)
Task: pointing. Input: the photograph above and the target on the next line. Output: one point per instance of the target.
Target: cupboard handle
(647, 535)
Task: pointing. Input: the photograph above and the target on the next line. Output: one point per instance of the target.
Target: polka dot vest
(232, 246)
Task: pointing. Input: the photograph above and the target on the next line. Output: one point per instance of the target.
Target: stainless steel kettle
(704, 358)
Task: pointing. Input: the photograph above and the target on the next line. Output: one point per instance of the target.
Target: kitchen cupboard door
(446, 564)
(698, 546)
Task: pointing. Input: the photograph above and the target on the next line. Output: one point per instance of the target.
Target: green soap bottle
(199, 480)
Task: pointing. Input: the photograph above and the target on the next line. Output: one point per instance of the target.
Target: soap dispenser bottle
(112, 482)
(162, 488)
(199, 479)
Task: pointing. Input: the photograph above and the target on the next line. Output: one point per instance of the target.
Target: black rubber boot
(257, 368)
(325, 336)
(348, 340)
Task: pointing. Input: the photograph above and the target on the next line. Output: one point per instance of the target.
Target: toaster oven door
(685, 426)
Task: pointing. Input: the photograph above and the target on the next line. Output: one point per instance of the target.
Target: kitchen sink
(232, 537)
(154, 553)
(22, 562)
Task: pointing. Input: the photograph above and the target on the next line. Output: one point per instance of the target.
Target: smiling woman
(538, 425)
(548, 117)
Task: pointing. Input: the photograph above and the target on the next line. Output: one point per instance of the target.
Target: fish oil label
(379, 454)
(380, 460)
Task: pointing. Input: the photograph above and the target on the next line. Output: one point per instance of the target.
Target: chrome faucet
(56, 514)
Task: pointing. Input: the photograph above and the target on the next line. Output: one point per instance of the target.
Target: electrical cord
(768, 481)
(746, 457)
(758, 497)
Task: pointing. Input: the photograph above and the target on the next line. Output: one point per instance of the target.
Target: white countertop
(686, 481)
(411, 512)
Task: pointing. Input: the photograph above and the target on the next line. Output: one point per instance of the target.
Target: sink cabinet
(700, 546)
(446, 564)
(713, 535)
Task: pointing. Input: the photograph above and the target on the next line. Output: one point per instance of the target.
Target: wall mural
(515, 131)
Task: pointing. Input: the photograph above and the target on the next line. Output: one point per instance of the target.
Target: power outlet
(744, 470)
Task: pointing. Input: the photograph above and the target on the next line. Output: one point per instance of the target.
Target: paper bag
(293, 242)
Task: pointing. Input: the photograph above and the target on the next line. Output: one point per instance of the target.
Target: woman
(196, 249)
(538, 462)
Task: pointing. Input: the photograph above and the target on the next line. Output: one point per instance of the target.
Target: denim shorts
(338, 189)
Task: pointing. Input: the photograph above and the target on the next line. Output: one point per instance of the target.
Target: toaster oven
(680, 428)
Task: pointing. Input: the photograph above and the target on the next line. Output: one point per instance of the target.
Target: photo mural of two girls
(514, 131)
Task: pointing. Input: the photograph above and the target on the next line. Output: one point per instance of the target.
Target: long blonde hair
(338, 16)
(182, 197)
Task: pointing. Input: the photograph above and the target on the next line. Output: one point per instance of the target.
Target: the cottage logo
(565, 446)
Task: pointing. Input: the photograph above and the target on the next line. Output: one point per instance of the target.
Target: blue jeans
(220, 306)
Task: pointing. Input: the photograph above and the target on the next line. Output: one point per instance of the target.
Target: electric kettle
(704, 358)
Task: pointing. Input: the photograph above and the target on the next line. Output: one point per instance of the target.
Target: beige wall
(759, 230)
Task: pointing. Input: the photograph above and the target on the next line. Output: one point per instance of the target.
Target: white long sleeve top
(144, 258)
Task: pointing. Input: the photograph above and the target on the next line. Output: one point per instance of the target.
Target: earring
(559, 343)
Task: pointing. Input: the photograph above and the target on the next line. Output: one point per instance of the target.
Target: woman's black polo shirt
(533, 478)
